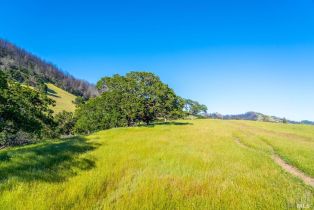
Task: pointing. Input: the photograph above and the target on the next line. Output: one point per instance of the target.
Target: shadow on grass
(52, 93)
(47, 162)
(166, 123)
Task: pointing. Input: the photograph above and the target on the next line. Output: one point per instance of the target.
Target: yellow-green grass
(294, 143)
(193, 164)
(64, 100)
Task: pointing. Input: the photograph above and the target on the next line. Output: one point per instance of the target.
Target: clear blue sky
(233, 56)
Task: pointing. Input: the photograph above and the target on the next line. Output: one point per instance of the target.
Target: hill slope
(29, 69)
(195, 164)
(64, 100)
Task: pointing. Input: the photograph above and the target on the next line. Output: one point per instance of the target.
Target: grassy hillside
(63, 99)
(198, 164)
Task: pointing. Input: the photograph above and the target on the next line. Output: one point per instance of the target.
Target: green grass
(64, 100)
(185, 165)
(294, 143)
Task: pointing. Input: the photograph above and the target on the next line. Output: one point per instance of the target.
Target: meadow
(195, 164)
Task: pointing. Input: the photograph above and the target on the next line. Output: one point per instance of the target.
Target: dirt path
(284, 165)
(293, 170)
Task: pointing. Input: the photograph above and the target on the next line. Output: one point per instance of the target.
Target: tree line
(134, 99)
(138, 97)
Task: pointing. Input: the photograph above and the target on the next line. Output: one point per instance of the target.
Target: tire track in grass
(283, 164)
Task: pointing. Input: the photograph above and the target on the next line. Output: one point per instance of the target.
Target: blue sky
(233, 56)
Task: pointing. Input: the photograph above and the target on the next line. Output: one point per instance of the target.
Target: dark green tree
(151, 98)
(100, 113)
(128, 100)
(65, 123)
(156, 99)
(124, 96)
(24, 113)
(284, 120)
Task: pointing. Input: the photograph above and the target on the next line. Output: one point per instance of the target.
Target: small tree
(284, 120)
(194, 107)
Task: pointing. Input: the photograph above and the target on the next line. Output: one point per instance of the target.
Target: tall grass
(295, 143)
(188, 165)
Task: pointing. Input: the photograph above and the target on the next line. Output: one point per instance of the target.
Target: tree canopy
(128, 100)
(194, 107)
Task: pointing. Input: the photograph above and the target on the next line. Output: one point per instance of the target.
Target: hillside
(198, 164)
(29, 69)
(64, 100)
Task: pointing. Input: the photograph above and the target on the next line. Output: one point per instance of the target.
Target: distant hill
(307, 122)
(256, 116)
(29, 69)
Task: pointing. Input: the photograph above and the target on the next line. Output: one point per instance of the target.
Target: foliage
(284, 120)
(24, 113)
(65, 123)
(156, 99)
(103, 112)
(194, 107)
(79, 100)
(128, 100)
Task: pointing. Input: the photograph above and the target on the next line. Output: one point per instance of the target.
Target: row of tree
(133, 99)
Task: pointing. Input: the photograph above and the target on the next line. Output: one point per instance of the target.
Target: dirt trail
(284, 165)
(293, 170)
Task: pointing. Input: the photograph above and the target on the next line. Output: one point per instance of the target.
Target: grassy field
(195, 164)
(63, 99)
